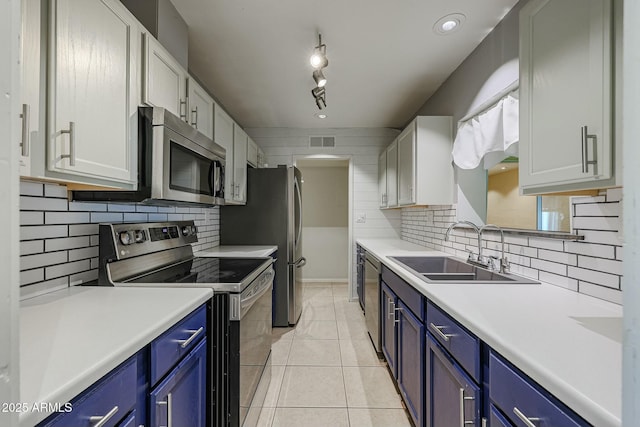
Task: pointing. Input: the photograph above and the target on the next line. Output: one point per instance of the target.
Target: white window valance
(492, 134)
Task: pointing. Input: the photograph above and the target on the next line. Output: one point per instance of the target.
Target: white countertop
(236, 251)
(569, 343)
(71, 338)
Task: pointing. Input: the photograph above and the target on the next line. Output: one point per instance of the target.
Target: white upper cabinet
(252, 153)
(223, 135)
(388, 176)
(262, 159)
(165, 81)
(93, 90)
(201, 108)
(565, 95)
(425, 171)
(239, 165)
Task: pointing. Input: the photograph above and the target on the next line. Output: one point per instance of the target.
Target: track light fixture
(319, 61)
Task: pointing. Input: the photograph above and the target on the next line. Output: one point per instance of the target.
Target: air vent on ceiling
(322, 141)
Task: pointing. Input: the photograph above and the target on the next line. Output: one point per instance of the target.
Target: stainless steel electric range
(240, 312)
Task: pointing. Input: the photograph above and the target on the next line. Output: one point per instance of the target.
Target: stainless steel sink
(439, 269)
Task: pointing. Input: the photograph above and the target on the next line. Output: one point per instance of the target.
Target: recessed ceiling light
(321, 116)
(503, 168)
(449, 24)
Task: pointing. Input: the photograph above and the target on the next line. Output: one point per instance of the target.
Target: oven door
(186, 171)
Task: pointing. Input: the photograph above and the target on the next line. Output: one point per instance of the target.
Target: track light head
(319, 78)
(319, 94)
(319, 59)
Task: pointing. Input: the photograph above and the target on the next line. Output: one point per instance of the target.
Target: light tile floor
(325, 371)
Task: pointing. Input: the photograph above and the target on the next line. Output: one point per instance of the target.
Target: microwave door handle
(212, 177)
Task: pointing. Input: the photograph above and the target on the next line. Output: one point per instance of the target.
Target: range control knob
(187, 230)
(140, 236)
(126, 237)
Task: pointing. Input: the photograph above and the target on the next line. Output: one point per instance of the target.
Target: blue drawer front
(115, 390)
(167, 349)
(512, 392)
(407, 293)
(462, 344)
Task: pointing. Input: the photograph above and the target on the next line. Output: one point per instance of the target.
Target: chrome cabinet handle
(391, 313)
(194, 334)
(484, 422)
(194, 122)
(585, 151)
(464, 398)
(25, 143)
(72, 144)
(169, 404)
(528, 421)
(104, 419)
(183, 116)
(438, 330)
(397, 317)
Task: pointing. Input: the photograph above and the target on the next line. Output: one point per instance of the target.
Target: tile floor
(325, 372)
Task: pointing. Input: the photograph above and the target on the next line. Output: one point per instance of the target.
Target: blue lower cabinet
(452, 397)
(388, 327)
(130, 421)
(180, 399)
(411, 335)
(496, 419)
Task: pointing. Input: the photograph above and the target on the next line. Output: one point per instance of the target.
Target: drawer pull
(438, 330)
(528, 421)
(391, 311)
(464, 398)
(194, 334)
(104, 419)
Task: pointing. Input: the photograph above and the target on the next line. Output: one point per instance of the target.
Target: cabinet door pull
(464, 398)
(528, 421)
(183, 116)
(438, 330)
(169, 404)
(25, 116)
(397, 317)
(104, 419)
(194, 113)
(194, 334)
(391, 314)
(72, 144)
(585, 151)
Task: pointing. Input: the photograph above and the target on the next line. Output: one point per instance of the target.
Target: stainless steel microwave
(176, 165)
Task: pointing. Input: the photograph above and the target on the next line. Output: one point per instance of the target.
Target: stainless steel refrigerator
(272, 216)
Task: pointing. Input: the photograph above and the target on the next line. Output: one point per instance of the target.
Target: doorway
(326, 218)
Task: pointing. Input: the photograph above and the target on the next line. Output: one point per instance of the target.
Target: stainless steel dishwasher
(372, 298)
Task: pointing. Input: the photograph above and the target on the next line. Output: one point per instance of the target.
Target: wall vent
(322, 141)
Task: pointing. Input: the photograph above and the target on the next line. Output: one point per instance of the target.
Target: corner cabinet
(566, 59)
(93, 91)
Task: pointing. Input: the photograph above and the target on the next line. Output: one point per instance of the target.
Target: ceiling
(385, 60)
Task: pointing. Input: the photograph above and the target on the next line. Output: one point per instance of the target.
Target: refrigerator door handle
(301, 262)
(299, 231)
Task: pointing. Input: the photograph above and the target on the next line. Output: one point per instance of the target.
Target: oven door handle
(246, 303)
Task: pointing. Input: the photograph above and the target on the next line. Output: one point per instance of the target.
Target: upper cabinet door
(239, 164)
(406, 165)
(201, 108)
(165, 81)
(392, 175)
(223, 135)
(252, 153)
(565, 93)
(382, 179)
(93, 89)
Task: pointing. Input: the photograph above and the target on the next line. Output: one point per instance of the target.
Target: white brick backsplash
(614, 194)
(66, 243)
(42, 231)
(562, 281)
(596, 223)
(66, 269)
(551, 267)
(31, 247)
(31, 189)
(31, 218)
(53, 190)
(611, 295)
(28, 203)
(595, 277)
(591, 266)
(604, 265)
(166, 209)
(59, 239)
(598, 209)
(41, 260)
(601, 251)
(66, 217)
(559, 257)
(175, 217)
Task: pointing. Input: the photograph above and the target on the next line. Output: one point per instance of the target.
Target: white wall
(9, 135)
(363, 145)
(631, 214)
(325, 222)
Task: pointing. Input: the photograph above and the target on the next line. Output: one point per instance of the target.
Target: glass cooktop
(205, 271)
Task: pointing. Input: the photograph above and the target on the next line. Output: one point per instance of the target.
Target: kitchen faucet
(470, 260)
(504, 264)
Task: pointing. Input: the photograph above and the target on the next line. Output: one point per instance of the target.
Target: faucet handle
(504, 264)
(493, 262)
(472, 256)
